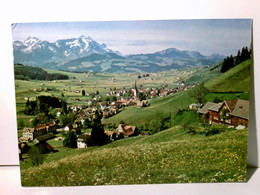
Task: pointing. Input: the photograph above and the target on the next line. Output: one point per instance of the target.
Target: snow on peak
(74, 43)
(31, 40)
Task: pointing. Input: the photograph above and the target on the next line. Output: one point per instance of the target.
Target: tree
(98, 135)
(70, 140)
(83, 92)
(238, 58)
(198, 93)
(36, 156)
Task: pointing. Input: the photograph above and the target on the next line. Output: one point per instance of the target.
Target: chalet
(204, 110)
(127, 130)
(214, 113)
(230, 112)
(82, 141)
(240, 113)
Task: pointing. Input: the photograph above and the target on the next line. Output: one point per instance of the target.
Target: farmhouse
(204, 111)
(214, 113)
(127, 130)
(240, 114)
(230, 112)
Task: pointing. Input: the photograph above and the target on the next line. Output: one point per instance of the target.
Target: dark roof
(205, 108)
(216, 107)
(45, 137)
(241, 109)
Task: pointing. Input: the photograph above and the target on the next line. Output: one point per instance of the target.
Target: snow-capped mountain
(85, 54)
(33, 51)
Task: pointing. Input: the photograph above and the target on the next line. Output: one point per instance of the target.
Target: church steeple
(135, 86)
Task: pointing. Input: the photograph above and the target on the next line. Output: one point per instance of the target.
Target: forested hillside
(23, 72)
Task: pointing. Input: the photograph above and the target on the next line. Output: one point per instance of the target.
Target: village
(109, 106)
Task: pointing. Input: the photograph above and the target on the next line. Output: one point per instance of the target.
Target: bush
(36, 156)
(215, 129)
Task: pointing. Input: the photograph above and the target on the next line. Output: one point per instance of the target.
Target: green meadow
(171, 156)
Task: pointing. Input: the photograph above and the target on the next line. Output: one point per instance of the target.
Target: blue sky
(134, 37)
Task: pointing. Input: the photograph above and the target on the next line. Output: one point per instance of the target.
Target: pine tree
(70, 140)
(83, 92)
(238, 58)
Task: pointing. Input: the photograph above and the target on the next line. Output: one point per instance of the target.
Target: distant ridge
(85, 54)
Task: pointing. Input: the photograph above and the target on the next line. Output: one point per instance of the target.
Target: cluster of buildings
(38, 135)
(230, 112)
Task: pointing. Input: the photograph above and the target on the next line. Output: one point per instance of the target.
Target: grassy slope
(202, 75)
(160, 107)
(167, 157)
(235, 79)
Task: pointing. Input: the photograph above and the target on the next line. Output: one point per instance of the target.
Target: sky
(221, 36)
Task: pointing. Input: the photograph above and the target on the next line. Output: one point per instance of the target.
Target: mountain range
(85, 54)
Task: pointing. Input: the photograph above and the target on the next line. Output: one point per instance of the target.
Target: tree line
(230, 61)
(23, 72)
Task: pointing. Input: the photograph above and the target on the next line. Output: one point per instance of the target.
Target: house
(240, 113)
(204, 110)
(82, 141)
(127, 130)
(214, 113)
(230, 112)
(28, 134)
